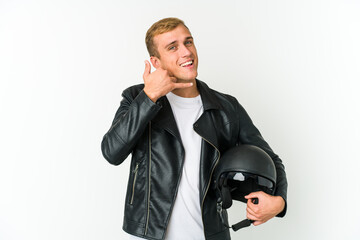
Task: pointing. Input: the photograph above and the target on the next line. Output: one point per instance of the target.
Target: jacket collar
(165, 118)
(207, 96)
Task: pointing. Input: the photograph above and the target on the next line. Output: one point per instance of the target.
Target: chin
(189, 77)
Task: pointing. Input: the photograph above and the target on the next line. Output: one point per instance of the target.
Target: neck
(188, 92)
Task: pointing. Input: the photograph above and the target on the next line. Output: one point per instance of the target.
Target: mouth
(187, 63)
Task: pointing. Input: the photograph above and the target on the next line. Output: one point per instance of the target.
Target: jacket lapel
(207, 96)
(165, 118)
(205, 125)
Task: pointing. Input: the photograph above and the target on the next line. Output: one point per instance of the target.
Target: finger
(173, 79)
(253, 202)
(252, 217)
(182, 85)
(147, 69)
(169, 73)
(252, 195)
(253, 210)
(257, 223)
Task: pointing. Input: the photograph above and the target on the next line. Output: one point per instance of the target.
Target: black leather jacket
(148, 130)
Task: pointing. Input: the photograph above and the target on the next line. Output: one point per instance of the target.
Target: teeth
(186, 63)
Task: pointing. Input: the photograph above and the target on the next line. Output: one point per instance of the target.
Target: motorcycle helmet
(242, 170)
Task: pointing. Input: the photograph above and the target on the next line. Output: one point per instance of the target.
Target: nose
(185, 51)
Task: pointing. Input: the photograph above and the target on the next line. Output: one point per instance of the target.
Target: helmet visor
(241, 184)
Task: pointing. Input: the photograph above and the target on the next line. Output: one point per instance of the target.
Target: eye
(172, 48)
(188, 42)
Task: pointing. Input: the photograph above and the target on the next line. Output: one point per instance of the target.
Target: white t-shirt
(186, 221)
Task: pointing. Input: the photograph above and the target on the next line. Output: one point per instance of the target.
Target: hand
(160, 82)
(267, 207)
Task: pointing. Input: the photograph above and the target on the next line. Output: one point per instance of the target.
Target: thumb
(252, 195)
(147, 68)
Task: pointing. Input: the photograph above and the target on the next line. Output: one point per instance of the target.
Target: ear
(155, 62)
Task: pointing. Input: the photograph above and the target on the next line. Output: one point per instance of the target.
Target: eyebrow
(190, 37)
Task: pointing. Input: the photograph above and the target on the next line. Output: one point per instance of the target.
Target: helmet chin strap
(245, 222)
(242, 224)
(223, 214)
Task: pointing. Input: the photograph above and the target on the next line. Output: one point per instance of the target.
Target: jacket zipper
(135, 171)
(208, 185)
(148, 203)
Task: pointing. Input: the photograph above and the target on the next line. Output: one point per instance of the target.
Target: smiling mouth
(187, 64)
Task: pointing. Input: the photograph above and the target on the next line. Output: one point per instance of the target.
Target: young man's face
(177, 53)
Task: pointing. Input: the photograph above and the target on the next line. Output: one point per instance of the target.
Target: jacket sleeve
(249, 134)
(131, 119)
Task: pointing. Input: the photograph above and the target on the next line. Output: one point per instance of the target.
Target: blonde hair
(161, 26)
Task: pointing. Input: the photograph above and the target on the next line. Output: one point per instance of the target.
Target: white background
(294, 65)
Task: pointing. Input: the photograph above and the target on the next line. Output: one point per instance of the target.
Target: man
(176, 128)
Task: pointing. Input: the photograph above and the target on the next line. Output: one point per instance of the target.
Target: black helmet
(242, 170)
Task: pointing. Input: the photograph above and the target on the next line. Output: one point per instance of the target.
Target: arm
(135, 112)
(131, 119)
(269, 206)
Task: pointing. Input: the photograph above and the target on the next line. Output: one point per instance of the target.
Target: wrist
(152, 97)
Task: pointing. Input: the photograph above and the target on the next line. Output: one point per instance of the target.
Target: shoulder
(133, 91)
(222, 100)
(225, 98)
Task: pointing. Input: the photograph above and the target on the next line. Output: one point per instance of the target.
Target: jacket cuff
(283, 212)
(142, 96)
